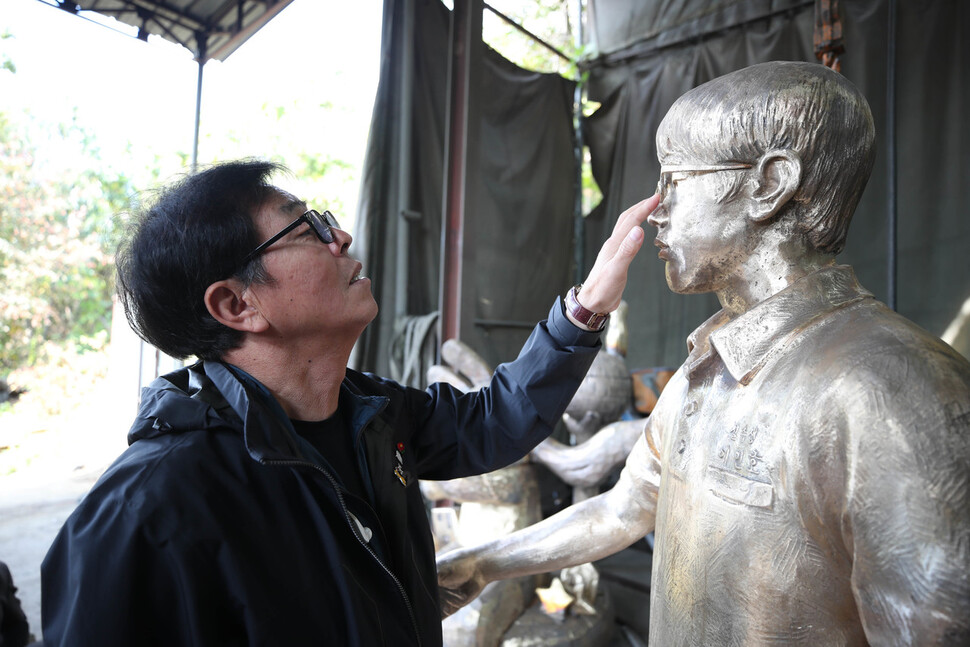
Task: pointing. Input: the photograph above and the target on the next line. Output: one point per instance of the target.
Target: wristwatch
(596, 321)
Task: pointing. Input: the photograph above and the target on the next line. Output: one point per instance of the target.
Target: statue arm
(589, 463)
(584, 532)
(909, 573)
(906, 522)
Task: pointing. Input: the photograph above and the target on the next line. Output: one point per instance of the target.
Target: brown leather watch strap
(594, 320)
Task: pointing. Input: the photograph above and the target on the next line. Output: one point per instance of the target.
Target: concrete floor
(31, 514)
(48, 463)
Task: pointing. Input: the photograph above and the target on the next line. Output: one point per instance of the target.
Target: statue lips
(662, 254)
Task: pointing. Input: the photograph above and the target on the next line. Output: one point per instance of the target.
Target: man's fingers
(604, 286)
(636, 214)
(615, 268)
(628, 220)
(631, 244)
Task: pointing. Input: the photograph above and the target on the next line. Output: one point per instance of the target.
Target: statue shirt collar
(747, 342)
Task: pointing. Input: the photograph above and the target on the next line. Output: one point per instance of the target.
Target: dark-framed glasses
(667, 171)
(322, 225)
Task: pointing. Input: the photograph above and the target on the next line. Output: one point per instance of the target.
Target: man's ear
(230, 304)
(778, 176)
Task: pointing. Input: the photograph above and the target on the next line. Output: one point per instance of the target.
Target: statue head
(802, 126)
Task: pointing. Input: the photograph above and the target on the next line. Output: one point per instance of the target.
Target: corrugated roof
(210, 29)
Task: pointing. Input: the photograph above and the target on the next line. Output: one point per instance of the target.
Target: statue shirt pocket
(739, 489)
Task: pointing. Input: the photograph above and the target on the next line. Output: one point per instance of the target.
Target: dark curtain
(652, 52)
(524, 211)
(519, 204)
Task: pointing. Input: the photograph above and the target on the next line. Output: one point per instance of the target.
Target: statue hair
(802, 107)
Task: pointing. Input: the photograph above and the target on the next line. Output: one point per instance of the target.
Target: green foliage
(57, 236)
(302, 136)
(59, 228)
(326, 178)
(554, 21)
(63, 394)
(59, 200)
(550, 20)
(5, 62)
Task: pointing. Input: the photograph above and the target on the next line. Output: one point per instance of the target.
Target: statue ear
(778, 176)
(231, 304)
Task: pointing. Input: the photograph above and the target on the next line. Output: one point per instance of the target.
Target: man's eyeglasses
(666, 172)
(322, 225)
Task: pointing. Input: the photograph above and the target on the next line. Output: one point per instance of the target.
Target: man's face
(703, 241)
(316, 292)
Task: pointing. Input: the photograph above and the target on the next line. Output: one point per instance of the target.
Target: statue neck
(774, 265)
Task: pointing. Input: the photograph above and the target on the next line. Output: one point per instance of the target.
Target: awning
(210, 29)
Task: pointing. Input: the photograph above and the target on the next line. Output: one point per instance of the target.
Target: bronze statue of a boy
(807, 470)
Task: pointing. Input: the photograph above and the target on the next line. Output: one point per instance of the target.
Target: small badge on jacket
(399, 472)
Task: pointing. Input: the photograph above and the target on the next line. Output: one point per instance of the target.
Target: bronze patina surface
(807, 469)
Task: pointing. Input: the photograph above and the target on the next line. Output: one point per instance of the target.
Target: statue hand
(582, 582)
(603, 288)
(459, 580)
(584, 428)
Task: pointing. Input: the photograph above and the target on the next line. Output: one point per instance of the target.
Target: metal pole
(529, 33)
(404, 162)
(198, 117)
(579, 222)
(891, 154)
(202, 44)
(461, 163)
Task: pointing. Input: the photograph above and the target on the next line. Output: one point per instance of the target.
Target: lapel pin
(399, 468)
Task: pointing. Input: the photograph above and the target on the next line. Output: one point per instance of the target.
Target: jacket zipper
(347, 516)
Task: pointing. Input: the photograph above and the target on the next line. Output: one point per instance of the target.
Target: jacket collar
(213, 394)
(267, 429)
(746, 343)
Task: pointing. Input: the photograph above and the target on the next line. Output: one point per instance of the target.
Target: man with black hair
(270, 494)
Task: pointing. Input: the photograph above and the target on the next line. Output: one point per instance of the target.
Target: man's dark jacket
(220, 526)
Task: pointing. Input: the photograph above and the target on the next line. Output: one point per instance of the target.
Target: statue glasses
(667, 170)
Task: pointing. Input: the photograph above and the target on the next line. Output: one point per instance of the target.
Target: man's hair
(802, 107)
(194, 232)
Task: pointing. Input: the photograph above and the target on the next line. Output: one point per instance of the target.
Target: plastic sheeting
(650, 53)
(636, 84)
(519, 206)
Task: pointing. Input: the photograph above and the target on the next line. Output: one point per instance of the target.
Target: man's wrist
(580, 316)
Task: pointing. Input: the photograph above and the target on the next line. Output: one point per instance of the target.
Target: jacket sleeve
(456, 434)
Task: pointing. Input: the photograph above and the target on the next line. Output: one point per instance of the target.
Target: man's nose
(341, 240)
(658, 217)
